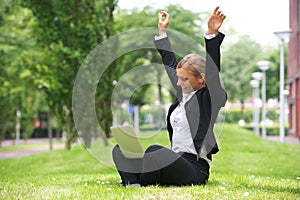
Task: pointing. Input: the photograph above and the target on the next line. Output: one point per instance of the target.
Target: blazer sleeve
(212, 76)
(170, 62)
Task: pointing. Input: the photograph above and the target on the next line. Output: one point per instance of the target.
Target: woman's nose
(179, 82)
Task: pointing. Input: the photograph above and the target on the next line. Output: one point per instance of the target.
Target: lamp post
(257, 76)
(263, 65)
(18, 126)
(282, 35)
(255, 84)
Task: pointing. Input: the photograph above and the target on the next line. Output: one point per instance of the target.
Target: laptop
(128, 141)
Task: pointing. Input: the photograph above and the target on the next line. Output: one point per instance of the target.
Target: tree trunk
(159, 87)
(71, 135)
(70, 139)
(87, 137)
(2, 136)
(50, 137)
(242, 113)
(105, 140)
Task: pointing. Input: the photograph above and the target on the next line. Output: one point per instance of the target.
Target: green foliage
(133, 19)
(272, 74)
(43, 133)
(234, 115)
(43, 43)
(180, 20)
(238, 63)
(272, 114)
(270, 130)
(18, 91)
(66, 32)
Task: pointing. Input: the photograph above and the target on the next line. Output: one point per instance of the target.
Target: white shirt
(182, 140)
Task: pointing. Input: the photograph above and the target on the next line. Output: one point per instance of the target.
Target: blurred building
(294, 69)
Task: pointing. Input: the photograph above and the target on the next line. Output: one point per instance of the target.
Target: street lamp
(263, 65)
(255, 84)
(18, 126)
(257, 76)
(282, 35)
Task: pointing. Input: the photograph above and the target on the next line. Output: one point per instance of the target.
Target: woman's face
(189, 82)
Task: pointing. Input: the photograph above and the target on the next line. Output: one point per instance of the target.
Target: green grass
(246, 167)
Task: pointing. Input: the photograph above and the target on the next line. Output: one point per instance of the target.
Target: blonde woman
(190, 119)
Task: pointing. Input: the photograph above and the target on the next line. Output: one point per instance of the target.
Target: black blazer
(203, 108)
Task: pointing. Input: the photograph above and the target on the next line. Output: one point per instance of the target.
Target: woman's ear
(201, 79)
(202, 75)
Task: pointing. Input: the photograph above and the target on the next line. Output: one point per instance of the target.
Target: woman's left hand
(215, 21)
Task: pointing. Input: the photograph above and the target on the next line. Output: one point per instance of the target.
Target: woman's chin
(186, 91)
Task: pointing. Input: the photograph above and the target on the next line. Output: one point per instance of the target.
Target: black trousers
(160, 165)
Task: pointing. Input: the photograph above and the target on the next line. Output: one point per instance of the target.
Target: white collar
(187, 97)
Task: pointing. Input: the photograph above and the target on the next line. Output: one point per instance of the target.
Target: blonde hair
(193, 63)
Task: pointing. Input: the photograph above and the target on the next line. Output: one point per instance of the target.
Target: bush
(43, 133)
(234, 115)
(271, 131)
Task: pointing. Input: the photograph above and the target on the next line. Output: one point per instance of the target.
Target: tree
(272, 74)
(135, 20)
(17, 92)
(66, 32)
(147, 17)
(239, 60)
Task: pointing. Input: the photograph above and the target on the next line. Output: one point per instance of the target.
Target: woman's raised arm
(163, 22)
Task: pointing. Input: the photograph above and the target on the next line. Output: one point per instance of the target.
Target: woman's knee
(116, 151)
(153, 148)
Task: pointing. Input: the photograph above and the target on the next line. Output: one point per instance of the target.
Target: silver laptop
(128, 141)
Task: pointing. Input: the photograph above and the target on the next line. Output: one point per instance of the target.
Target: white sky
(257, 18)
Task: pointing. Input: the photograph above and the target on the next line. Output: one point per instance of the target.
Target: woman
(190, 119)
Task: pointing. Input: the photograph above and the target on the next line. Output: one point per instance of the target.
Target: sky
(257, 18)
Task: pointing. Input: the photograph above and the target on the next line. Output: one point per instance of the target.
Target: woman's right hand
(163, 22)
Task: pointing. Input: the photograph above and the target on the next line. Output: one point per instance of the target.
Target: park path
(290, 139)
(28, 152)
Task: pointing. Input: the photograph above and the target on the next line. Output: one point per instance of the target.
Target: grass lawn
(246, 167)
